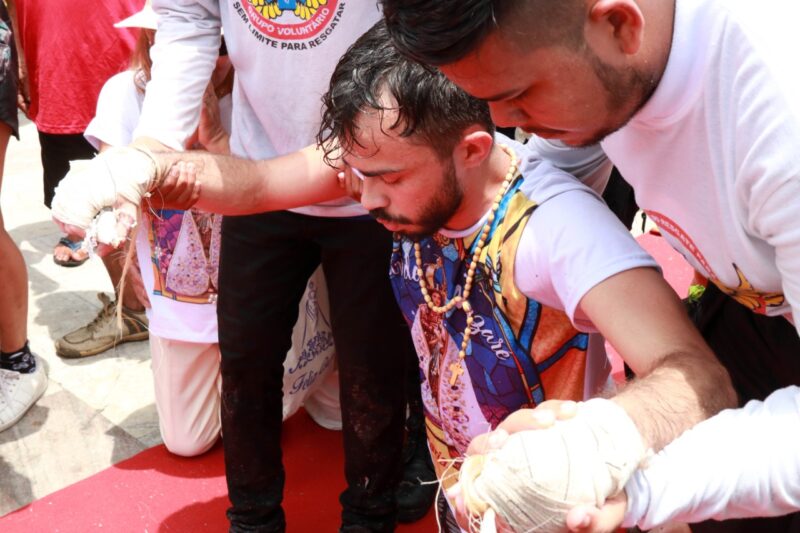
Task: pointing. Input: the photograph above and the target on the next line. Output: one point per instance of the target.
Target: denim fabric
(8, 74)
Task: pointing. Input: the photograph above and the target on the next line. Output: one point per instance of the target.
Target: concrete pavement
(97, 411)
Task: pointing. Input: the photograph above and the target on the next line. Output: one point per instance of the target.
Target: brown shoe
(102, 333)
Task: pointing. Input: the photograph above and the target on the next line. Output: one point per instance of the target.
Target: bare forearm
(12, 13)
(679, 380)
(684, 389)
(235, 186)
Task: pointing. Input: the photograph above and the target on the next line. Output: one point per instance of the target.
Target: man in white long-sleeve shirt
(740, 463)
(698, 104)
(283, 53)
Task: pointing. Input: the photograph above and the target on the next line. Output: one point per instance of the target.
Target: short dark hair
(429, 106)
(439, 32)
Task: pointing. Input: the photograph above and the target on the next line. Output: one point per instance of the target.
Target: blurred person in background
(23, 379)
(66, 53)
(61, 102)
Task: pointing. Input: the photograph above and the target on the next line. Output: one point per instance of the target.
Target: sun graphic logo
(291, 19)
(747, 295)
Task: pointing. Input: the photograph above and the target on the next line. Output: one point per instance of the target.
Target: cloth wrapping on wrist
(538, 475)
(94, 185)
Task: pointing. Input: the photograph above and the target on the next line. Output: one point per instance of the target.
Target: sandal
(75, 249)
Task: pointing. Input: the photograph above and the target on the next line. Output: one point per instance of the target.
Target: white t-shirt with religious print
(178, 251)
(552, 241)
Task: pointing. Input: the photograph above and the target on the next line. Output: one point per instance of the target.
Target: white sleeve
(117, 114)
(589, 164)
(774, 217)
(184, 55)
(571, 243)
(741, 463)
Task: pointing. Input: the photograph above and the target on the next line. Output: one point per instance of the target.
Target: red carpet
(155, 491)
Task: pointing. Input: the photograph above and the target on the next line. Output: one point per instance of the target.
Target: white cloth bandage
(94, 185)
(538, 475)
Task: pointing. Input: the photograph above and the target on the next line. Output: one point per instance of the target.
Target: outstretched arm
(233, 186)
(679, 380)
(121, 178)
(595, 269)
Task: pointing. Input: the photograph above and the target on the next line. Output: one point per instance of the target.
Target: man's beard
(435, 214)
(622, 87)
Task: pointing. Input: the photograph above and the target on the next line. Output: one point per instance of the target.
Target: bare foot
(69, 253)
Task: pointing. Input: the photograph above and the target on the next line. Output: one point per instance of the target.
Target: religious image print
(185, 254)
(757, 300)
(520, 352)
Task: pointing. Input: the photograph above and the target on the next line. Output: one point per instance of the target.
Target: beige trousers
(187, 384)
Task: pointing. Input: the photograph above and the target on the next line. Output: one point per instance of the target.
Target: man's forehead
(486, 72)
(368, 134)
(375, 128)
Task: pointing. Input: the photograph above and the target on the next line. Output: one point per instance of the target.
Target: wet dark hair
(429, 107)
(439, 32)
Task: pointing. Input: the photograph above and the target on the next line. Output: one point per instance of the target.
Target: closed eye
(516, 97)
(390, 179)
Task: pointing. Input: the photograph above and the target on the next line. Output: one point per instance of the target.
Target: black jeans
(266, 261)
(57, 151)
(762, 354)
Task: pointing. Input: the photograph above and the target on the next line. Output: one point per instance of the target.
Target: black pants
(266, 261)
(762, 354)
(619, 197)
(57, 151)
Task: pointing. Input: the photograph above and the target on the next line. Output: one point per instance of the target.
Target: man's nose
(506, 115)
(371, 195)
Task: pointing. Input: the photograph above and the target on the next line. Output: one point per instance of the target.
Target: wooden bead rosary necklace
(456, 368)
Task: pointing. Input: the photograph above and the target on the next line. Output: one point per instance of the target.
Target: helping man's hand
(605, 519)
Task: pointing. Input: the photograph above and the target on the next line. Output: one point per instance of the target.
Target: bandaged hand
(102, 195)
(535, 477)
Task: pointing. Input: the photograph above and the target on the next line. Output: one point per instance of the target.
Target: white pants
(187, 384)
(187, 379)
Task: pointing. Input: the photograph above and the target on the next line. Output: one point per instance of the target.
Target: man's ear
(614, 29)
(473, 148)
